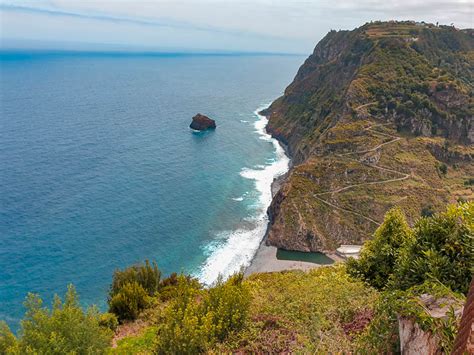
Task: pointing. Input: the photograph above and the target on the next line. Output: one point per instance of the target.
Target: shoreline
(241, 244)
(264, 259)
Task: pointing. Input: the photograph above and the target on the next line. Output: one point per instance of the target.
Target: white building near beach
(346, 251)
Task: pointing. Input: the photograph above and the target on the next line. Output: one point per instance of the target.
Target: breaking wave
(237, 248)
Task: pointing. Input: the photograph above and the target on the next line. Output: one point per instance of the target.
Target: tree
(439, 248)
(147, 276)
(196, 319)
(131, 289)
(442, 250)
(379, 256)
(64, 329)
(129, 301)
(443, 168)
(8, 342)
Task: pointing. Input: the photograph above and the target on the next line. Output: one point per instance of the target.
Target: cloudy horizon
(191, 25)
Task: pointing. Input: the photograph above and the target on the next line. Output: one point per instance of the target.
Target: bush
(130, 289)
(171, 280)
(169, 287)
(379, 255)
(8, 342)
(469, 182)
(66, 328)
(381, 336)
(147, 276)
(442, 250)
(314, 312)
(438, 248)
(227, 304)
(197, 319)
(129, 301)
(427, 211)
(108, 320)
(443, 168)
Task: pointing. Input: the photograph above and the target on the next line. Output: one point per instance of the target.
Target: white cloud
(252, 25)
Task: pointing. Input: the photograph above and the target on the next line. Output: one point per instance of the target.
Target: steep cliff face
(371, 120)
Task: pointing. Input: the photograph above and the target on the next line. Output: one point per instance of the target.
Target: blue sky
(207, 25)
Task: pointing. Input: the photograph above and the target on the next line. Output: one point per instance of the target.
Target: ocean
(99, 169)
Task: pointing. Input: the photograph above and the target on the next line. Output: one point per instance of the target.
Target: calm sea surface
(99, 170)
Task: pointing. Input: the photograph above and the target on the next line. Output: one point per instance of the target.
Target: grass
(302, 312)
(291, 311)
(137, 344)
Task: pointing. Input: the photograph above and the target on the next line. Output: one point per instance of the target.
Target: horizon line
(131, 52)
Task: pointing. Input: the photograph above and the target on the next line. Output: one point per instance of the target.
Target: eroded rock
(202, 123)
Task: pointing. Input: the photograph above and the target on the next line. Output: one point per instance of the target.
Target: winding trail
(404, 176)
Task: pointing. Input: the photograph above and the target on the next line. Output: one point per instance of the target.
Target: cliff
(375, 117)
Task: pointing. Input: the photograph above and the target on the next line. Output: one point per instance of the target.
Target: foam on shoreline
(240, 246)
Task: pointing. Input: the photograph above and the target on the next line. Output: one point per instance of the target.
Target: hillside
(404, 276)
(377, 117)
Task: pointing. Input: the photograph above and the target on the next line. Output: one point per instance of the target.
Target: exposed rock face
(367, 120)
(413, 339)
(202, 123)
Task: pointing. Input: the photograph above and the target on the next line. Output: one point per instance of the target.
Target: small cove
(315, 258)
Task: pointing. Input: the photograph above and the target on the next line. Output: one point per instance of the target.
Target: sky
(281, 26)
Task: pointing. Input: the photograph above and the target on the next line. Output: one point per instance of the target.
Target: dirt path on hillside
(404, 176)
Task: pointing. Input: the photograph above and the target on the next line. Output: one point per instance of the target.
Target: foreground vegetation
(340, 308)
(434, 258)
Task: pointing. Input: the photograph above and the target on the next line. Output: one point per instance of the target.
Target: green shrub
(169, 287)
(469, 182)
(442, 250)
(8, 342)
(302, 313)
(438, 248)
(130, 300)
(227, 304)
(443, 168)
(379, 255)
(65, 329)
(130, 289)
(197, 319)
(427, 211)
(147, 276)
(108, 320)
(381, 336)
(171, 280)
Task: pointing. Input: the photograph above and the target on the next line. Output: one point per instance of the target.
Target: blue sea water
(99, 170)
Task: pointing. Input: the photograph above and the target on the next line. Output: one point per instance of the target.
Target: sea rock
(202, 123)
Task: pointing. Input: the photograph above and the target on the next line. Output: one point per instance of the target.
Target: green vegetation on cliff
(438, 248)
(326, 310)
(377, 117)
(63, 329)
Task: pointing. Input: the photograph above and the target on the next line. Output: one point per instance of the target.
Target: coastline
(245, 248)
(265, 259)
(239, 248)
